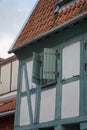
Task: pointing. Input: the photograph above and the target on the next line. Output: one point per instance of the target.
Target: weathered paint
(59, 41)
(49, 63)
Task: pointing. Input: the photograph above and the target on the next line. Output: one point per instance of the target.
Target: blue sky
(13, 14)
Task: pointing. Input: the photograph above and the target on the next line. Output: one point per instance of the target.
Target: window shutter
(49, 64)
(36, 68)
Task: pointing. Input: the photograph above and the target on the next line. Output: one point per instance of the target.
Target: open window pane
(29, 72)
(71, 60)
(70, 100)
(36, 67)
(29, 69)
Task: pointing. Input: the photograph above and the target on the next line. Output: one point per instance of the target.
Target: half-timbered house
(8, 91)
(52, 76)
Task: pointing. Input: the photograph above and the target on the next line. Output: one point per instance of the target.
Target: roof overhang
(7, 113)
(54, 30)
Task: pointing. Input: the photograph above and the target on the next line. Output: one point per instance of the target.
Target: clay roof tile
(43, 19)
(7, 105)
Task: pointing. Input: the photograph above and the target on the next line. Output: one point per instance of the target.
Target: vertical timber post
(19, 87)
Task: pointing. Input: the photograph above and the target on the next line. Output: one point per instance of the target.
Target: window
(71, 127)
(48, 128)
(62, 4)
(29, 74)
(44, 68)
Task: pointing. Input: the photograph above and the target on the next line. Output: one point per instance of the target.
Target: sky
(13, 15)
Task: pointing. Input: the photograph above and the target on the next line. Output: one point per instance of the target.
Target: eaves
(54, 30)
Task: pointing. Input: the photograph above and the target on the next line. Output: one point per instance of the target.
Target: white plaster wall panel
(71, 60)
(14, 75)
(5, 78)
(70, 100)
(24, 113)
(33, 97)
(23, 83)
(29, 69)
(29, 72)
(47, 107)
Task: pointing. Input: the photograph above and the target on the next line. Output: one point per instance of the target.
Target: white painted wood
(47, 107)
(14, 75)
(70, 100)
(24, 113)
(71, 60)
(5, 78)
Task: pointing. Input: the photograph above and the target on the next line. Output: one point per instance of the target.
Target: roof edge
(25, 22)
(60, 27)
(7, 113)
(7, 97)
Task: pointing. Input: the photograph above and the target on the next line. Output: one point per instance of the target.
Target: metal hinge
(86, 67)
(57, 74)
(85, 45)
(58, 54)
(63, 79)
(76, 76)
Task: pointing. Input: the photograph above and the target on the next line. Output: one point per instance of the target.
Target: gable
(43, 19)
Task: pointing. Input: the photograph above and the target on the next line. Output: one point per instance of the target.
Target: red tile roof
(7, 105)
(44, 19)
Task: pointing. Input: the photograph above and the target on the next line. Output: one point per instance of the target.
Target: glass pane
(24, 112)
(70, 100)
(29, 69)
(47, 110)
(71, 60)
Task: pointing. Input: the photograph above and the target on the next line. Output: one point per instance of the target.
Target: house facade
(8, 91)
(52, 75)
